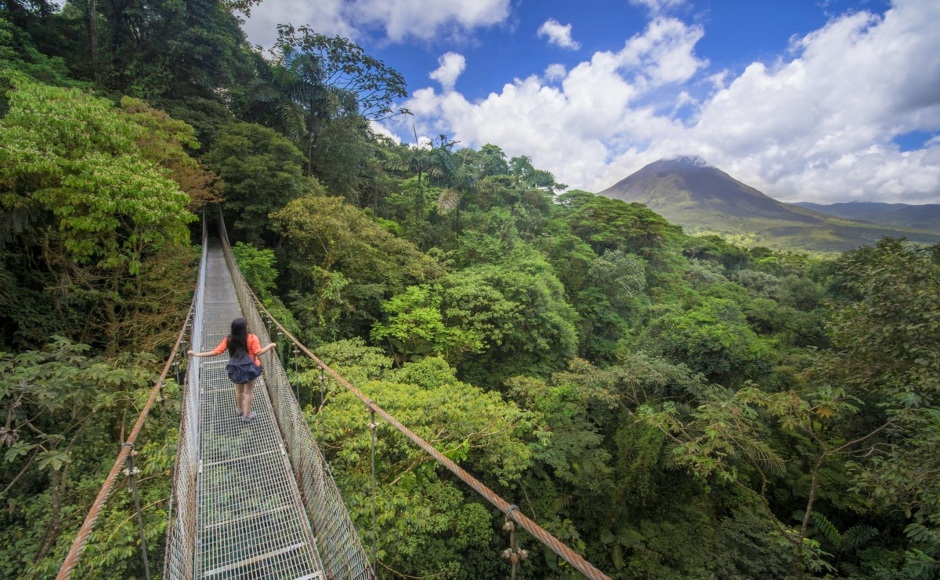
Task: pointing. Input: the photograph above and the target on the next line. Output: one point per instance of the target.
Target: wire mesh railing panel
(181, 529)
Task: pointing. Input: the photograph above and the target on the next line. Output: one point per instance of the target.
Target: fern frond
(857, 536)
(922, 534)
(761, 454)
(827, 529)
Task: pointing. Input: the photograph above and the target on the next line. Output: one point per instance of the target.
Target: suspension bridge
(257, 500)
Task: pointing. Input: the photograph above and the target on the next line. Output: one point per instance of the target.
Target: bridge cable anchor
(513, 553)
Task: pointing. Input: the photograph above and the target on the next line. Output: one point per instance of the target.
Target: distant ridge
(894, 214)
(690, 192)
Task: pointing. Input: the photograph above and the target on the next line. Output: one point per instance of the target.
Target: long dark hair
(238, 340)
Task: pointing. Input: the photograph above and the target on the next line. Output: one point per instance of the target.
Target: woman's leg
(248, 397)
(239, 389)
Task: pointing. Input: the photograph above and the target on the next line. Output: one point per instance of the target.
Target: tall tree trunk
(55, 525)
(92, 25)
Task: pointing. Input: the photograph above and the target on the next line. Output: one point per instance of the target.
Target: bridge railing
(179, 561)
(340, 548)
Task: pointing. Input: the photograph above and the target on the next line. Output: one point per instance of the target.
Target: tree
(611, 224)
(712, 338)
(330, 78)
(164, 51)
(416, 328)
(518, 310)
(257, 266)
(885, 348)
(63, 411)
(18, 52)
(261, 173)
(93, 213)
(85, 168)
(727, 432)
(342, 266)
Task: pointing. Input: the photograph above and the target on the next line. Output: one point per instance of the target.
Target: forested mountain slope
(670, 406)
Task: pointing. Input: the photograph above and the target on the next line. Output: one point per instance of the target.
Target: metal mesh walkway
(251, 521)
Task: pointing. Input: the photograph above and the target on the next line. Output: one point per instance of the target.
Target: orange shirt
(254, 345)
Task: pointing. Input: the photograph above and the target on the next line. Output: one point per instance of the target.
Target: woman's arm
(207, 353)
(267, 348)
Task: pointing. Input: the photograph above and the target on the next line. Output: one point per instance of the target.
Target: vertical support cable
(322, 385)
(294, 352)
(131, 473)
(372, 427)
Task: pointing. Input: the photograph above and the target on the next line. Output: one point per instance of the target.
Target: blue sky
(814, 100)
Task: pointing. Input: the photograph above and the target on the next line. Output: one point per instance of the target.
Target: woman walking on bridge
(243, 366)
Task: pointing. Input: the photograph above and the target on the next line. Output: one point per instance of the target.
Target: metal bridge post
(131, 472)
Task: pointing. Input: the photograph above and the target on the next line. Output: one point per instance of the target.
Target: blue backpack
(242, 369)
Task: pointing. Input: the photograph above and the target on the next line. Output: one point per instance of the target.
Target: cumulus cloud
(398, 20)
(451, 67)
(558, 34)
(326, 16)
(379, 129)
(817, 124)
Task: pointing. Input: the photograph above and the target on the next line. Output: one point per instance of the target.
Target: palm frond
(448, 201)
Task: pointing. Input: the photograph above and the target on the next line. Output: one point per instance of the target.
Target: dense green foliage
(669, 406)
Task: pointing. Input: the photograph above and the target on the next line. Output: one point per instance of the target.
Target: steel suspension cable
(71, 559)
(510, 511)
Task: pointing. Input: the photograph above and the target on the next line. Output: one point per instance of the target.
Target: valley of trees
(669, 406)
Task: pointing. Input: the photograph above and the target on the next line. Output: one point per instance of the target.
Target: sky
(806, 100)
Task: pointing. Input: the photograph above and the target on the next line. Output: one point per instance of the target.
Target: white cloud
(821, 125)
(380, 129)
(558, 34)
(818, 124)
(555, 72)
(399, 20)
(426, 19)
(326, 16)
(658, 6)
(665, 53)
(451, 67)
